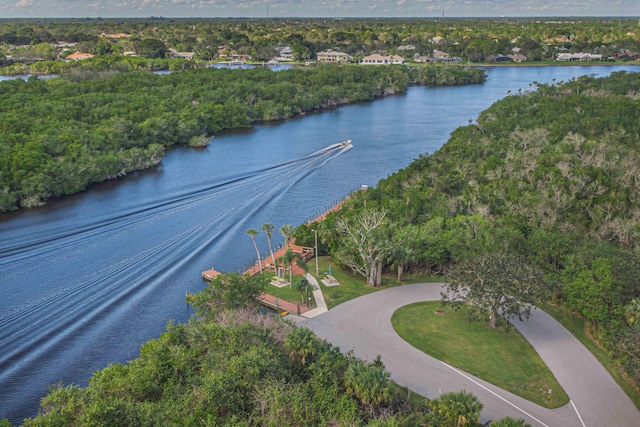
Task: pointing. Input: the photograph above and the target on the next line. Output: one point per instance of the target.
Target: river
(85, 280)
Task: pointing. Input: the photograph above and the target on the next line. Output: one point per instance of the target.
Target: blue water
(86, 279)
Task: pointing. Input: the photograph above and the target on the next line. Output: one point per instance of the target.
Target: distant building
(62, 44)
(333, 56)
(184, 55)
(407, 47)
(518, 57)
(377, 59)
(79, 56)
(115, 36)
(439, 56)
(284, 53)
(565, 56)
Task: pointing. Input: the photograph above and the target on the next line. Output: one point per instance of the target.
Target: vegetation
(351, 286)
(59, 136)
(230, 365)
(33, 45)
(550, 176)
(500, 284)
(481, 351)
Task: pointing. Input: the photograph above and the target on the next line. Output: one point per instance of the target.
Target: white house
(333, 56)
(565, 56)
(377, 59)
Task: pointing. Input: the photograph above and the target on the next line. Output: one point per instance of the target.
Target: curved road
(364, 326)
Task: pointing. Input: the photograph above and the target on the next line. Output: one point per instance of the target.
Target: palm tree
(303, 287)
(367, 382)
(287, 260)
(287, 232)
(509, 422)
(267, 227)
(301, 343)
(253, 232)
(461, 408)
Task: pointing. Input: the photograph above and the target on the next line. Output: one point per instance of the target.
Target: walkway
(321, 305)
(364, 326)
(291, 308)
(304, 252)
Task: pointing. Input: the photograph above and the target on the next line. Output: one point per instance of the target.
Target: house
(284, 53)
(79, 56)
(115, 36)
(377, 59)
(225, 52)
(439, 56)
(499, 58)
(518, 57)
(565, 56)
(333, 56)
(184, 55)
(63, 44)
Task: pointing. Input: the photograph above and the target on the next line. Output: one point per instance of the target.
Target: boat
(345, 143)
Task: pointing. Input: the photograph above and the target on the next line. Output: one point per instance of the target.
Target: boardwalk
(302, 251)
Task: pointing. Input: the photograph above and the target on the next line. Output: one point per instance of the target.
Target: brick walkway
(284, 305)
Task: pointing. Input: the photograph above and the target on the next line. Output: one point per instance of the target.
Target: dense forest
(545, 178)
(59, 135)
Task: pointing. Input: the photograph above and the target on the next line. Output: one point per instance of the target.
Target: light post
(315, 252)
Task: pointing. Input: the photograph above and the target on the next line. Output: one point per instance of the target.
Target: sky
(314, 8)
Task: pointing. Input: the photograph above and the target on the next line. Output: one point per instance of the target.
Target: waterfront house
(333, 56)
(377, 59)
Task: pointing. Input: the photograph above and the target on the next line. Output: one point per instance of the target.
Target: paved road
(364, 326)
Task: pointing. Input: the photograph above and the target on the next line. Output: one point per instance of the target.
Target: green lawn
(577, 326)
(285, 293)
(350, 286)
(502, 358)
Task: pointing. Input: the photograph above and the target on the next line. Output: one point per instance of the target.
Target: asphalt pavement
(364, 326)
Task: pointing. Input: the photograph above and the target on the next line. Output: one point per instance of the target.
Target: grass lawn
(285, 293)
(352, 286)
(577, 326)
(502, 358)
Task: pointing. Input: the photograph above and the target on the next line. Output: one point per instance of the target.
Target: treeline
(233, 366)
(59, 135)
(549, 176)
(97, 64)
(472, 39)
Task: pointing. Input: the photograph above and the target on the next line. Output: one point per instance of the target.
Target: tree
(632, 312)
(301, 343)
(368, 382)
(509, 422)
(592, 290)
(151, 48)
(228, 291)
(502, 285)
(253, 232)
(267, 227)
(365, 246)
(287, 232)
(304, 287)
(460, 408)
(287, 261)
